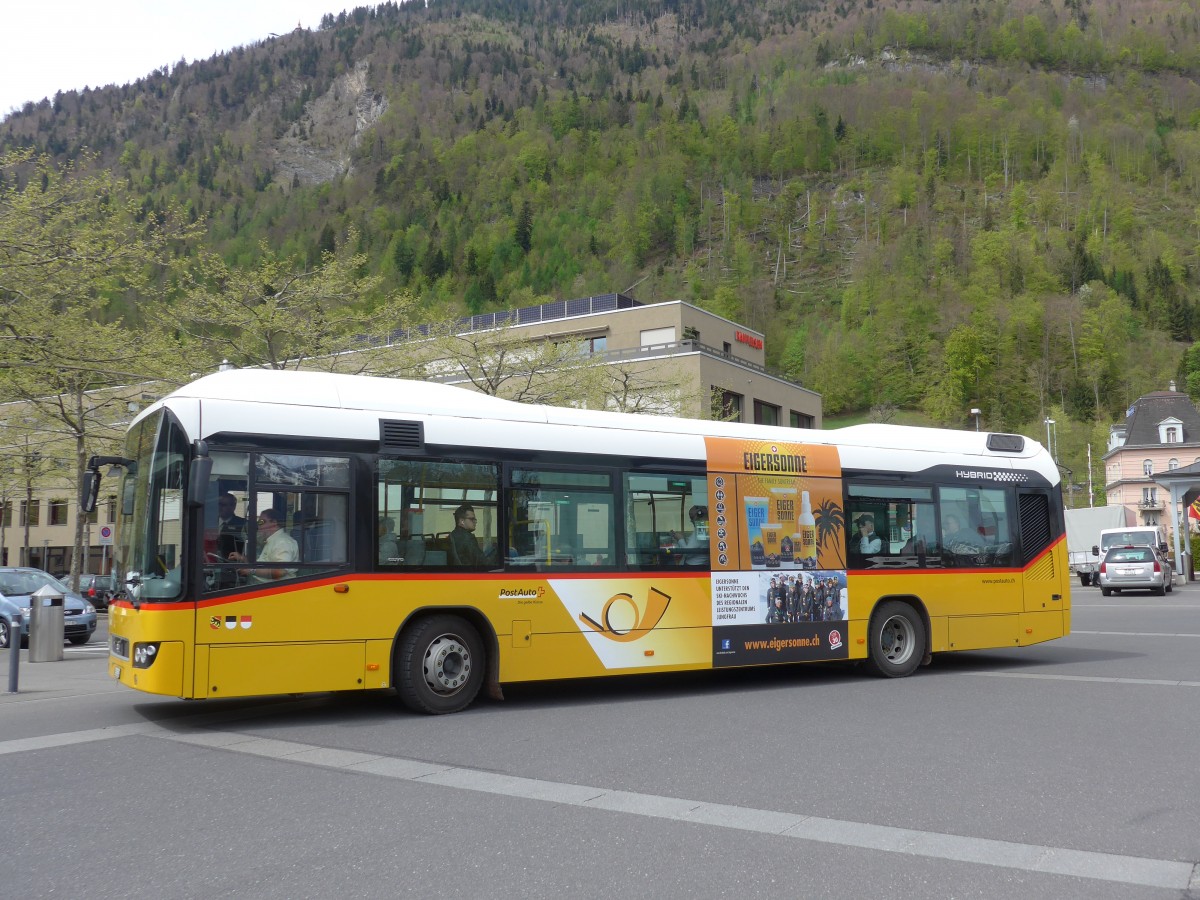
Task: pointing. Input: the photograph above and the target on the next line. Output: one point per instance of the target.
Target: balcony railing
(1150, 504)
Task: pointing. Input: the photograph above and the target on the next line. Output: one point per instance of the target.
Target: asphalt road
(1059, 771)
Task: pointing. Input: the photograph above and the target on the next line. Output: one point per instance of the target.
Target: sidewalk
(78, 672)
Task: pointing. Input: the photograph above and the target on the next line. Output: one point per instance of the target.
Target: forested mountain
(926, 205)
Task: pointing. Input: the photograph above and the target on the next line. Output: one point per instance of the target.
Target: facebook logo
(726, 644)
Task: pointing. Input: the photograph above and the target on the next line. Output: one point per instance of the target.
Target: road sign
(106, 535)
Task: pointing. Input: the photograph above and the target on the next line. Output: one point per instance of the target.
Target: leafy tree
(282, 314)
(72, 244)
(523, 234)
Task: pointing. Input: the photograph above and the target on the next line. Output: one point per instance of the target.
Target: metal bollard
(14, 651)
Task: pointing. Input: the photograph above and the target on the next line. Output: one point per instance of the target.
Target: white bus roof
(326, 405)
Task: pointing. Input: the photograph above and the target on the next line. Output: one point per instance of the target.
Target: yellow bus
(285, 532)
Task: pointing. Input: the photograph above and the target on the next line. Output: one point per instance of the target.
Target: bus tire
(896, 640)
(439, 665)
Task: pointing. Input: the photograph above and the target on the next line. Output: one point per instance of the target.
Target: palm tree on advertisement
(830, 522)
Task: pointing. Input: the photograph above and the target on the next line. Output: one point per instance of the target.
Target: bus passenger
(278, 547)
(866, 542)
(464, 546)
(389, 550)
(410, 547)
(953, 532)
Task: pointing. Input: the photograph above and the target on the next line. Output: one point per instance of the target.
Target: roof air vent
(395, 435)
(1005, 443)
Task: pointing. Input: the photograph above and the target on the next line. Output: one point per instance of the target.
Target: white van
(1134, 536)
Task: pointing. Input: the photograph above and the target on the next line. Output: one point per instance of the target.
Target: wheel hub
(896, 640)
(447, 665)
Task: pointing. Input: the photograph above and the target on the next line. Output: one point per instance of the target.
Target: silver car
(17, 584)
(1137, 568)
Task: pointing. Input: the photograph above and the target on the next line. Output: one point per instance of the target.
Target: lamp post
(976, 412)
(1050, 438)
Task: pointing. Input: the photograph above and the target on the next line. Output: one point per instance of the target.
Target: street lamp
(1050, 438)
(976, 412)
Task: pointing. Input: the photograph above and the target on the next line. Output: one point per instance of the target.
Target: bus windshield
(149, 552)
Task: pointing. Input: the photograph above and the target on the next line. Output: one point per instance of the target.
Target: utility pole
(1091, 500)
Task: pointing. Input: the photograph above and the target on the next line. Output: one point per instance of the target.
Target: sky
(71, 44)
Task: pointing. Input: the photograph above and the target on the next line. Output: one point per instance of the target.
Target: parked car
(1136, 568)
(17, 585)
(98, 590)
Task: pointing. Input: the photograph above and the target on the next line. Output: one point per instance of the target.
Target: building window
(652, 336)
(596, 344)
(31, 512)
(1147, 467)
(1149, 497)
(1172, 465)
(6, 509)
(726, 348)
(110, 507)
(58, 512)
(1172, 436)
(727, 405)
(765, 413)
(800, 420)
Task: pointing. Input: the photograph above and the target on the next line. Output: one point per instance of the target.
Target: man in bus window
(953, 532)
(277, 547)
(389, 549)
(464, 547)
(866, 542)
(231, 533)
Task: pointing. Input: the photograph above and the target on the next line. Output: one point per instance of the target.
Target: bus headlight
(145, 654)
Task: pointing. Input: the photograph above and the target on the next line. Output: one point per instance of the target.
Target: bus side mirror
(1095, 550)
(1162, 548)
(201, 471)
(89, 491)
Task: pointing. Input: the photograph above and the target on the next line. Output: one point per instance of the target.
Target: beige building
(708, 355)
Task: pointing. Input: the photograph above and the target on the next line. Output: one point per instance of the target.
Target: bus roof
(254, 401)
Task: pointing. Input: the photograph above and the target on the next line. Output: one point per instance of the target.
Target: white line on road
(1186, 634)
(1109, 867)
(1042, 676)
(1133, 870)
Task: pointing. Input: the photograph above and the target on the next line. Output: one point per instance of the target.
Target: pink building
(1160, 434)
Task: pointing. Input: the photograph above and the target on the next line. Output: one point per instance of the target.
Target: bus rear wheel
(439, 665)
(896, 640)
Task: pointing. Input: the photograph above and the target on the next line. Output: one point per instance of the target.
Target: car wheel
(439, 665)
(79, 638)
(1107, 592)
(896, 640)
(1161, 590)
(5, 633)
(1170, 586)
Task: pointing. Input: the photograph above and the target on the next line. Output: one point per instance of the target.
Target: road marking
(1133, 870)
(1187, 634)
(1110, 867)
(1041, 676)
(76, 737)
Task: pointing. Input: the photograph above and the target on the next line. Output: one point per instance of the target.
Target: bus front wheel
(896, 637)
(439, 665)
